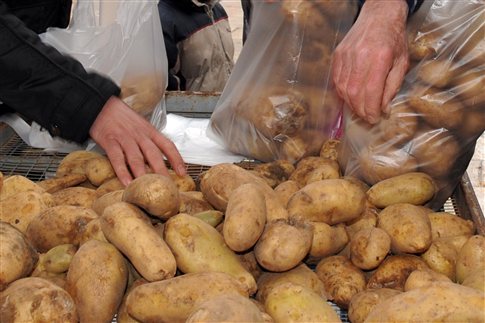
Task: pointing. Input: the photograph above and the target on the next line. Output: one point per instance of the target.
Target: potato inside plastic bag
(278, 102)
(439, 113)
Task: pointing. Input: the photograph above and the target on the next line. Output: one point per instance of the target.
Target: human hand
(130, 140)
(370, 63)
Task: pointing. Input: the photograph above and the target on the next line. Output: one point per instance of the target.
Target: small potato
(283, 245)
(307, 165)
(400, 126)
(331, 201)
(106, 200)
(341, 279)
(471, 257)
(18, 183)
(198, 247)
(368, 219)
(327, 240)
(445, 225)
(174, 299)
(184, 183)
(369, 247)
(422, 278)
(99, 170)
(275, 172)
(288, 301)
(423, 46)
(212, 217)
(156, 194)
(19, 209)
(330, 149)
(363, 302)
(34, 299)
(245, 217)
(394, 271)
(192, 202)
(58, 259)
(285, 190)
(110, 185)
(16, 253)
(97, 279)
(76, 196)
(436, 72)
(74, 162)
(408, 226)
(130, 230)
(62, 224)
(413, 188)
(322, 172)
(55, 184)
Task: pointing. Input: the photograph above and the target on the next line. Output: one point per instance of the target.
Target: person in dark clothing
(55, 91)
(199, 44)
(247, 8)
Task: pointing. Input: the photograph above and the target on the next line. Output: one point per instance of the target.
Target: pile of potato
(270, 244)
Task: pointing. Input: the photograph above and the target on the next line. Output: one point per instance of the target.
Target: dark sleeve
(412, 4)
(45, 86)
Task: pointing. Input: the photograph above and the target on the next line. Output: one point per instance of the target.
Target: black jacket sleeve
(45, 86)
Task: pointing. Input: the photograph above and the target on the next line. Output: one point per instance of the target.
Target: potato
(198, 247)
(55, 184)
(423, 46)
(99, 170)
(174, 299)
(245, 217)
(413, 188)
(285, 190)
(368, 219)
(469, 85)
(122, 315)
(156, 194)
(212, 217)
(436, 72)
(106, 200)
(74, 162)
(445, 225)
(329, 149)
(363, 302)
(441, 257)
(249, 262)
(130, 230)
(110, 185)
(400, 125)
(59, 225)
(275, 172)
(369, 247)
(19, 209)
(93, 231)
(440, 302)
(58, 259)
(283, 245)
(307, 165)
(288, 302)
(474, 120)
(300, 275)
(363, 186)
(471, 257)
(192, 202)
(408, 226)
(17, 255)
(331, 201)
(35, 299)
(322, 172)
(422, 278)
(327, 240)
(476, 280)
(18, 183)
(185, 183)
(76, 196)
(341, 279)
(96, 279)
(1, 181)
(227, 308)
(394, 271)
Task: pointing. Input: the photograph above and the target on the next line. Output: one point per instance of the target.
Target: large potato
(369, 247)
(17, 255)
(288, 302)
(35, 299)
(408, 226)
(422, 278)
(59, 225)
(156, 194)
(363, 302)
(18, 183)
(440, 302)
(19, 209)
(331, 201)
(283, 245)
(174, 299)
(96, 279)
(198, 247)
(76, 196)
(75, 162)
(341, 279)
(413, 188)
(471, 257)
(130, 230)
(245, 217)
(448, 225)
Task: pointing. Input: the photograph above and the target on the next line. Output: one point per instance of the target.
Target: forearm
(412, 5)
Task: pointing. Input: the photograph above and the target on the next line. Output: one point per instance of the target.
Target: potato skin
(99, 170)
(441, 257)
(331, 201)
(55, 184)
(174, 299)
(76, 196)
(106, 200)
(96, 280)
(363, 302)
(422, 278)
(33, 299)
(21, 256)
(130, 230)
(471, 257)
(445, 225)
(327, 240)
(369, 247)
(285, 190)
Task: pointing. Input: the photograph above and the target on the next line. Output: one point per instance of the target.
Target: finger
(115, 155)
(170, 151)
(356, 88)
(153, 156)
(393, 82)
(374, 90)
(134, 157)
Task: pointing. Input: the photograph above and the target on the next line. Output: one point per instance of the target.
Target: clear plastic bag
(278, 102)
(123, 40)
(439, 113)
